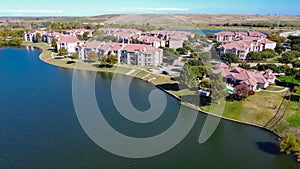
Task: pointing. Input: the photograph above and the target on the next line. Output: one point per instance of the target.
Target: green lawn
(233, 109)
(257, 109)
(289, 79)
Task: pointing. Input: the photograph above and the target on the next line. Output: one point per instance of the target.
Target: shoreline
(43, 57)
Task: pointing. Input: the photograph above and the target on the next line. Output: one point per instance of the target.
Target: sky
(99, 7)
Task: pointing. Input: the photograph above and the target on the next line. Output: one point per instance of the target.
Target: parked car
(165, 72)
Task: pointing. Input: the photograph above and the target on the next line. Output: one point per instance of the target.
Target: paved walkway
(131, 72)
(279, 91)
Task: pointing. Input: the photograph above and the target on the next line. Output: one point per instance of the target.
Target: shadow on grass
(197, 100)
(70, 62)
(268, 147)
(103, 65)
(294, 98)
(169, 86)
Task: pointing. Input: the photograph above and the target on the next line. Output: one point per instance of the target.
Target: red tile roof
(140, 47)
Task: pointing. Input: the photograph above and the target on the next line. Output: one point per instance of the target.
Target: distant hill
(190, 21)
(172, 21)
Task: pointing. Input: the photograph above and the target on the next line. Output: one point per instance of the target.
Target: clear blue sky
(97, 7)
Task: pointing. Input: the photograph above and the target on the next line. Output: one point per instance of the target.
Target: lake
(40, 129)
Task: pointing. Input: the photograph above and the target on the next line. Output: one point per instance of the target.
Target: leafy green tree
(74, 56)
(187, 77)
(267, 54)
(230, 58)
(111, 59)
(296, 47)
(244, 65)
(92, 56)
(289, 144)
(198, 71)
(295, 42)
(63, 51)
(54, 44)
(86, 34)
(217, 88)
(297, 75)
(181, 50)
(195, 62)
(296, 64)
(205, 83)
(273, 67)
(170, 54)
(205, 57)
(38, 37)
(254, 56)
(279, 48)
(276, 38)
(289, 57)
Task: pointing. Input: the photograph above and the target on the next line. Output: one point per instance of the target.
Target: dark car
(165, 72)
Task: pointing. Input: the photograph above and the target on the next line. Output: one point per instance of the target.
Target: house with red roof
(238, 76)
(241, 43)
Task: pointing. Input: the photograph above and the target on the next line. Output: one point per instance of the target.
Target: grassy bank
(291, 121)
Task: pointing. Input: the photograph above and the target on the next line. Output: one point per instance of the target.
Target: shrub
(251, 92)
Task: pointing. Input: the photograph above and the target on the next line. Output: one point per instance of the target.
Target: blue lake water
(39, 127)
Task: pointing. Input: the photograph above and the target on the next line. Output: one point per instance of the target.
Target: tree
(267, 53)
(254, 56)
(276, 37)
(289, 144)
(262, 67)
(279, 48)
(295, 42)
(198, 71)
(111, 59)
(241, 91)
(297, 75)
(244, 65)
(187, 77)
(205, 83)
(205, 57)
(170, 54)
(63, 51)
(296, 64)
(74, 56)
(38, 37)
(54, 43)
(289, 57)
(92, 56)
(86, 34)
(230, 58)
(181, 51)
(195, 62)
(217, 88)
